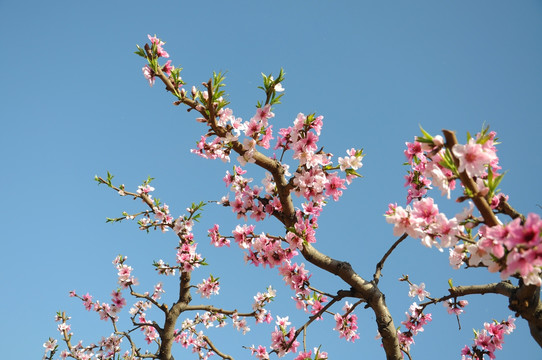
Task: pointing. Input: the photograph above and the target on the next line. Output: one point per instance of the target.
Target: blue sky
(74, 104)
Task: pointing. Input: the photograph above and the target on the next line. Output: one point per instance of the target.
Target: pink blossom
(457, 256)
(304, 356)
(49, 345)
(425, 210)
(216, 239)
(346, 324)
(473, 158)
(281, 339)
(150, 334)
(160, 52)
(402, 221)
(350, 162)
(446, 230)
(240, 324)
(260, 352)
(419, 291)
(489, 339)
(149, 74)
(167, 67)
(117, 299)
(454, 306)
(208, 287)
(283, 322)
(414, 150)
(158, 290)
(334, 186)
(264, 113)
(87, 301)
(144, 189)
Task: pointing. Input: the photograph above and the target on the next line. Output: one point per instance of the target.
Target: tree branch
(380, 265)
(366, 290)
(503, 288)
(507, 209)
(214, 348)
(479, 200)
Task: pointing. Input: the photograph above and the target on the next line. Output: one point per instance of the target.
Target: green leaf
(353, 172)
(425, 133)
(424, 140)
(140, 52)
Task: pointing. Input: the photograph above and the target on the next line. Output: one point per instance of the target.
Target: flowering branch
(367, 290)
(340, 295)
(478, 199)
(512, 249)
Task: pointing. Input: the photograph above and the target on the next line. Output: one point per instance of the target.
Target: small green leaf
(426, 134)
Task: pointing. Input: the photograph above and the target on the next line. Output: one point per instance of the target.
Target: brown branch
(526, 303)
(507, 209)
(212, 309)
(171, 316)
(314, 317)
(214, 348)
(364, 289)
(503, 288)
(380, 265)
(479, 200)
(162, 307)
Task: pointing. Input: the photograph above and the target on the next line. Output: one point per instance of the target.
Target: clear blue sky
(74, 104)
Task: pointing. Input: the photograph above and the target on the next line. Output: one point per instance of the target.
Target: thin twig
(213, 347)
(380, 265)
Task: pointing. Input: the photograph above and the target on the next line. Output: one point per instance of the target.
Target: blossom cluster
(150, 70)
(297, 277)
(125, 277)
(313, 179)
(514, 248)
(248, 199)
(260, 301)
(424, 221)
(414, 323)
(196, 340)
(510, 249)
(106, 311)
(347, 324)
(431, 164)
(283, 339)
(106, 348)
(307, 355)
(455, 306)
(189, 336)
(208, 287)
(262, 249)
(488, 340)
